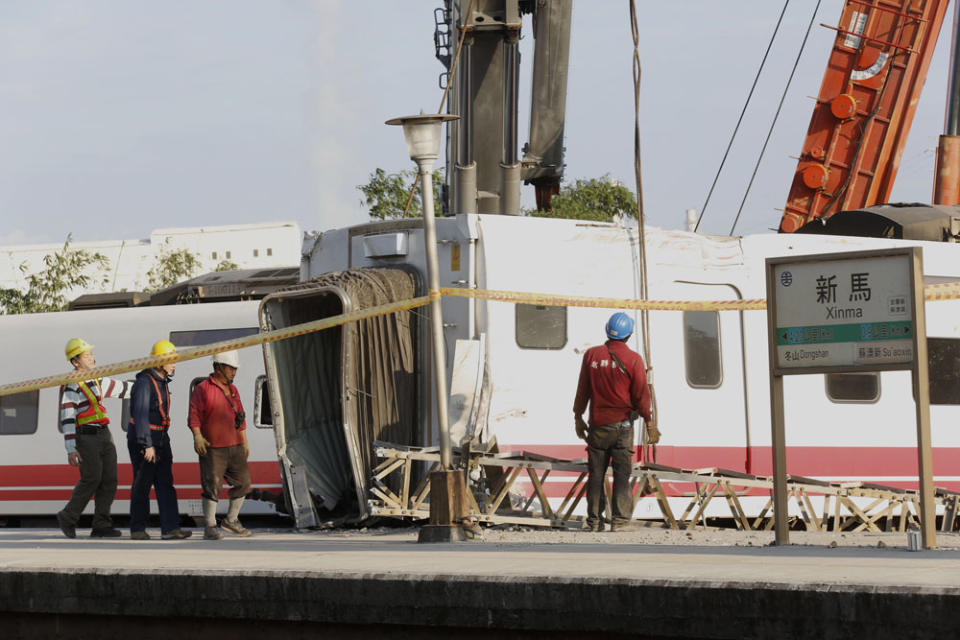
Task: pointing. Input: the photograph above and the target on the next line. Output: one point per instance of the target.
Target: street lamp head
(422, 133)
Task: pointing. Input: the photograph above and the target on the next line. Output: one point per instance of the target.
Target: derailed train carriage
(512, 367)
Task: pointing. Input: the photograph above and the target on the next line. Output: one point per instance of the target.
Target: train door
(703, 405)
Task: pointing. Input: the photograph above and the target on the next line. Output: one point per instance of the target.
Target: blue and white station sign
(844, 312)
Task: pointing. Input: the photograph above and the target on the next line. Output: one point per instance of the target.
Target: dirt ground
(657, 535)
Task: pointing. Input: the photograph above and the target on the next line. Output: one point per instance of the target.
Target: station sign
(843, 311)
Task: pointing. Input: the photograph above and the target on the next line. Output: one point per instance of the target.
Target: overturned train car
(512, 367)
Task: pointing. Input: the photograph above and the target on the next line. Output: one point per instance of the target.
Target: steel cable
(743, 112)
(776, 115)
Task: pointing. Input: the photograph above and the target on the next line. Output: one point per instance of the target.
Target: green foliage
(386, 194)
(47, 290)
(227, 265)
(598, 199)
(170, 267)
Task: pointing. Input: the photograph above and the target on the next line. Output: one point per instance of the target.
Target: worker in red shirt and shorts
(219, 427)
(613, 379)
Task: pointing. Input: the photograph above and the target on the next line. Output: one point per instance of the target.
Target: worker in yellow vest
(86, 435)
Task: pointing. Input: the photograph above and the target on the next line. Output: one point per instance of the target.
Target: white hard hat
(229, 358)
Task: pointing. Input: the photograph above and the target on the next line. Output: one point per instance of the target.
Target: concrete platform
(347, 584)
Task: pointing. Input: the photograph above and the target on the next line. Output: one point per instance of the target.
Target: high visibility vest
(95, 413)
(164, 413)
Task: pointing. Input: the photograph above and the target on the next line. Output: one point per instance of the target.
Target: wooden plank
(703, 505)
(572, 492)
(737, 508)
(813, 514)
(494, 501)
(423, 489)
(857, 512)
(576, 501)
(662, 500)
(405, 490)
(538, 488)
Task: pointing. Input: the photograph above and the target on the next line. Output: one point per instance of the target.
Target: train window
(262, 411)
(541, 327)
(853, 387)
(943, 358)
(701, 349)
(209, 336)
(19, 413)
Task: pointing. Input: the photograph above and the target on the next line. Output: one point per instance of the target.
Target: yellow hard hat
(162, 347)
(76, 346)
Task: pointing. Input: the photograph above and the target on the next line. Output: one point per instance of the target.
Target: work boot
(105, 532)
(69, 530)
(234, 527)
(139, 535)
(595, 526)
(176, 534)
(212, 533)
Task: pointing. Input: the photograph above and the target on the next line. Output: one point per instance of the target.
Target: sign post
(842, 313)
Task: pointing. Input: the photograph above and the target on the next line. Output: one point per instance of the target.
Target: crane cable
(443, 100)
(641, 228)
(776, 115)
(743, 112)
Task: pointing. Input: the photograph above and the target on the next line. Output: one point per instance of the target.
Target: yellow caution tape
(148, 362)
(943, 291)
(606, 303)
(933, 292)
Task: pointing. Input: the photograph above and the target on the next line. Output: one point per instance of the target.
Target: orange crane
(865, 107)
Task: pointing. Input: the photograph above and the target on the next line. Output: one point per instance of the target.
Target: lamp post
(447, 487)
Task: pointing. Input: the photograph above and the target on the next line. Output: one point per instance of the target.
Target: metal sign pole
(846, 313)
(778, 434)
(777, 424)
(921, 394)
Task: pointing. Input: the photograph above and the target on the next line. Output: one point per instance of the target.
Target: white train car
(512, 368)
(35, 478)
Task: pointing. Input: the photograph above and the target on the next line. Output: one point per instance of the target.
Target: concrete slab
(659, 583)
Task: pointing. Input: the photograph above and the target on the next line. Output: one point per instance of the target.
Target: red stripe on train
(54, 475)
(62, 495)
(853, 462)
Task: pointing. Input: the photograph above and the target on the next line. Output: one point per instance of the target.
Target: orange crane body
(865, 107)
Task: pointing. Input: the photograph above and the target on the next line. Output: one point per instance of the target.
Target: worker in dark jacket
(149, 444)
(613, 379)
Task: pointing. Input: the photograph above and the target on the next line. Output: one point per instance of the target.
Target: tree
(171, 266)
(386, 194)
(226, 265)
(47, 289)
(599, 199)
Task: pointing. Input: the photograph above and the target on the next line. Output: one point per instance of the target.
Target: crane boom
(865, 107)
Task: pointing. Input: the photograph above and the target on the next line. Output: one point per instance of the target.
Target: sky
(119, 117)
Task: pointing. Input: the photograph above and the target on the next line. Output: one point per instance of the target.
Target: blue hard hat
(619, 326)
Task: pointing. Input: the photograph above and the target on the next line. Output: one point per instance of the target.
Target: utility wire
(756, 167)
(743, 112)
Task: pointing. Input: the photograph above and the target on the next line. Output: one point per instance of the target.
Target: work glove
(200, 443)
(581, 427)
(653, 434)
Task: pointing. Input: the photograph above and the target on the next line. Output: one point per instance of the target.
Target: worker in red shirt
(613, 379)
(219, 430)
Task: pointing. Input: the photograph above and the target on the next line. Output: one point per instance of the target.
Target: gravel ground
(657, 535)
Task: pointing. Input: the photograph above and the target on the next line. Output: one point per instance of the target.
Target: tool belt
(90, 429)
